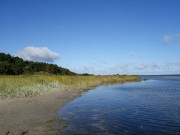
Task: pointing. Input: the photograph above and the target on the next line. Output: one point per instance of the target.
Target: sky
(94, 36)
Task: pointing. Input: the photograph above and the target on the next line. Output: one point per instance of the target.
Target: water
(149, 107)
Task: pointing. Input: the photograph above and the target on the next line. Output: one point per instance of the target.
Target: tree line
(11, 65)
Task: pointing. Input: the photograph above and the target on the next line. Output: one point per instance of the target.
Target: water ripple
(150, 107)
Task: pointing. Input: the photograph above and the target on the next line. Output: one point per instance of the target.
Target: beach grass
(32, 85)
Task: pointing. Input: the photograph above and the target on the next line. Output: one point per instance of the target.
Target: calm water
(139, 108)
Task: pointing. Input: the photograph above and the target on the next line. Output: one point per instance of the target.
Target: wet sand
(34, 115)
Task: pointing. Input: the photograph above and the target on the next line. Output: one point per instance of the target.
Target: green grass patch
(64, 126)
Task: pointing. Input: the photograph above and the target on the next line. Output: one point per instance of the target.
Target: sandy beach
(34, 115)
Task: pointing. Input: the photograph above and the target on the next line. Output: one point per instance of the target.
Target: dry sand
(34, 114)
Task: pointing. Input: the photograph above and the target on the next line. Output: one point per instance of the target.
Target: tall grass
(31, 85)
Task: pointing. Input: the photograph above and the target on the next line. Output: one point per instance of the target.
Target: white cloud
(132, 68)
(41, 54)
(141, 67)
(168, 39)
(157, 66)
(171, 39)
(1, 50)
(132, 54)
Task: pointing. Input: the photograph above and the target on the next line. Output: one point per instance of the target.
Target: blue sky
(94, 36)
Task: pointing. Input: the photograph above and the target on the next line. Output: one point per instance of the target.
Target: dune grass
(31, 85)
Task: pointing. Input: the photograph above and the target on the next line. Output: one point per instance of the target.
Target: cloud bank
(40, 54)
(132, 68)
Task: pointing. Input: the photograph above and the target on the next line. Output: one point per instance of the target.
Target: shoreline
(38, 115)
(31, 114)
(168, 76)
(172, 76)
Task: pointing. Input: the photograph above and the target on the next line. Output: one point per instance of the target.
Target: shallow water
(149, 107)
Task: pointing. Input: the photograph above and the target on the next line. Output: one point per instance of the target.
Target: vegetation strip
(31, 85)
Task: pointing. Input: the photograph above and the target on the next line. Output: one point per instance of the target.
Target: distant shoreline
(173, 76)
(168, 76)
